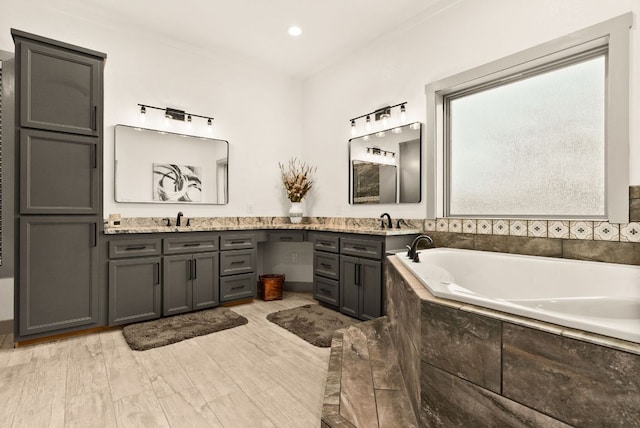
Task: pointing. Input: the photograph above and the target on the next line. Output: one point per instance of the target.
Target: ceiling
(257, 29)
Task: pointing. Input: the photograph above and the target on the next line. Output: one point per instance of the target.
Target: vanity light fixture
(173, 114)
(383, 114)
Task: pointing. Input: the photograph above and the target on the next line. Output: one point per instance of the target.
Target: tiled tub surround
(469, 366)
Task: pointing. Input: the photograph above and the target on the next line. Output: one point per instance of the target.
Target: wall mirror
(162, 167)
(386, 167)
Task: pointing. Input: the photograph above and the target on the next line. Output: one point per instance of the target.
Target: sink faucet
(389, 223)
(413, 249)
(178, 218)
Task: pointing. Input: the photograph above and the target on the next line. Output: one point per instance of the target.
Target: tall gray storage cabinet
(59, 104)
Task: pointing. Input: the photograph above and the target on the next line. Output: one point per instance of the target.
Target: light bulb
(189, 124)
(353, 128)
(403, 114)
(368, 125)
(209, 125)
(143, 114)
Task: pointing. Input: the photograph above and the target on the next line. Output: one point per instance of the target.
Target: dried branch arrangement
(297, 179)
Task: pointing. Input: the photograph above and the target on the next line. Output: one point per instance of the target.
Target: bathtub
(602, 298)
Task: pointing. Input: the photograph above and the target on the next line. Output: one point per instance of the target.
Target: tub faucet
(389, 223)
(178, 218)
(413, 248)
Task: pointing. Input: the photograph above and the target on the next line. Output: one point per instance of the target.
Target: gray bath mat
(313, 323)
(164, 331)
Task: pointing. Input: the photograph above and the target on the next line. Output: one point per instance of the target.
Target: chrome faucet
(413, 249)
(178, 218)
(389, 223)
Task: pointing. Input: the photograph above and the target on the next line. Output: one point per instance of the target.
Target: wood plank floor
(256, 375)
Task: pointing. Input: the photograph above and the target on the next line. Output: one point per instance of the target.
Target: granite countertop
(356, 226)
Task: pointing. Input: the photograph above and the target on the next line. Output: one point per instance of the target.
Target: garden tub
(601, 298)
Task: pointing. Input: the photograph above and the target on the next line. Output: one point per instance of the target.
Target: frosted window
(532, 147)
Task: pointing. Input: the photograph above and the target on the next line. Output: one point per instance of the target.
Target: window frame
(612, 35)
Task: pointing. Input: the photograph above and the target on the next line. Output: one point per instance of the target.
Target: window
(540, 134)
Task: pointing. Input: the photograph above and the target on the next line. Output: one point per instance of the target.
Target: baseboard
(299, 286)
(6, 326)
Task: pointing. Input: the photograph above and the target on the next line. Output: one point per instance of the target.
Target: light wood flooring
(256, 375)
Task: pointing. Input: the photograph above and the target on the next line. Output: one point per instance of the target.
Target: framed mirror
(162, 167)
(386, 167)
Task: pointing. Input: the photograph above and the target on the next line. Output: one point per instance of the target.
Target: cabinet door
(206, 290)
(58, 276)
(58, 174)
(370, 280)
(349, 289)
(60, 89)
(134, 290)
(176, 287)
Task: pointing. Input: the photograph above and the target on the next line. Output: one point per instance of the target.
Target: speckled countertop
(365, 226)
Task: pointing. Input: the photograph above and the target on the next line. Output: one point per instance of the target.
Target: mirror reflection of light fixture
(173, 114)
(383, 114)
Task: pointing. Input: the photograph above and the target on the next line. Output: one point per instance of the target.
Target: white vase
(295, 212)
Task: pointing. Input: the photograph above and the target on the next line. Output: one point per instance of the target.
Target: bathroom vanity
(163, 271)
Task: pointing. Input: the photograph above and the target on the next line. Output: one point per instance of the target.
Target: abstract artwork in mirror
(162, 167)
(176, 183)
(386, 167)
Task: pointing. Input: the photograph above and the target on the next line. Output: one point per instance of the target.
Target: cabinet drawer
(188, 244)
(324, 242)
(361, 248)
(237, 241)
(238, 287)
(135, 248)
(326, 290)
(326, 264)
(286, 235)
(236, 262)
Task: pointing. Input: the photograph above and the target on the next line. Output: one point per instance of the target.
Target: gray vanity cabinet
(191, 281)
(326, 267)
(58, 271)
(238, 266)
(347, 271)
(360, 287)
(58, 173)
(59, 96)
(61, 88)
(135, 290)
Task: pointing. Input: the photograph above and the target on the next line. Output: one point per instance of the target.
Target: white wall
(256, 109)
(397, 67)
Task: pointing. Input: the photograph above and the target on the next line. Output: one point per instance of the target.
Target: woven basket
(270, 286)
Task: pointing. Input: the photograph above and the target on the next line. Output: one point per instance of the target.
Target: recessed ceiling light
(295, 31)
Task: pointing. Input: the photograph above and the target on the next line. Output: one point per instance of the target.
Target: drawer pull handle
(359, 248)
(325, 244)
(325, 265)
(238, 242)
(325, 291)
(191, 244)
(238, 287)
(135, 247)
(239, 262)
(286, 238)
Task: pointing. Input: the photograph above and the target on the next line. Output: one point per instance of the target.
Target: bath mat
(164, 331)
(313, 323)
